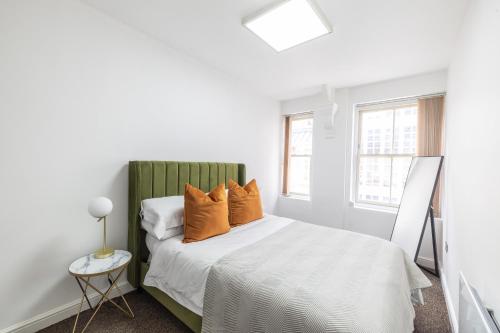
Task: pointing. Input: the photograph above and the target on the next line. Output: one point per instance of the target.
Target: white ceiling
(372, 40)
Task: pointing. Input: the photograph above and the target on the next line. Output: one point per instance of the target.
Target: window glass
(405, 130)
(376, 132)
(387, 142)
(298, 161)
(374, 179)
(301, 136)
(300, 171)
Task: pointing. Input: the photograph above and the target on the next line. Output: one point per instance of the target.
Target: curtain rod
(401, 99)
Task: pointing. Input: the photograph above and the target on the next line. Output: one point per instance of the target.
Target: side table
(87, 267)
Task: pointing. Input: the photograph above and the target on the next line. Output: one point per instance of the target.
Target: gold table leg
(104, 297)
(84, 296)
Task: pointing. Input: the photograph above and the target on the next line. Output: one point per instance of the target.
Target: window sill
(295, 197)
(376, 208)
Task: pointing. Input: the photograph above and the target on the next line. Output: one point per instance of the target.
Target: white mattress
(181, 270)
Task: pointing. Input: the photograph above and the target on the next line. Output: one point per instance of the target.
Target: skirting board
(61, 312)
(449, 303)
(426, 262)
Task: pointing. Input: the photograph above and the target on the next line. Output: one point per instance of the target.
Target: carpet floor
(151, 316)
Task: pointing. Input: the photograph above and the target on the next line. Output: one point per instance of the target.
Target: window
(298, 153)
(386, 144)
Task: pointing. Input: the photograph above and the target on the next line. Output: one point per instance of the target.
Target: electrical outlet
(446, 246)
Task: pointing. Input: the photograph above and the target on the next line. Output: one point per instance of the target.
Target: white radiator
(473, 315)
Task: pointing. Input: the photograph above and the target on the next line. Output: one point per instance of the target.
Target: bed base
(189, 318)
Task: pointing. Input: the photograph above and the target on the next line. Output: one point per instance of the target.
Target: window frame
(374, 107)
(288, 119)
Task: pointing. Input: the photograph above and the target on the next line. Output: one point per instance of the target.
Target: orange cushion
(244, 203)
(205, 215)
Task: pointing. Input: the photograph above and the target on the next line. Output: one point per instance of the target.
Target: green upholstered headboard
(152, 179)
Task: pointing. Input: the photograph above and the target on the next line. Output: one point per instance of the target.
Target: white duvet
(181, 270)
(310, 278)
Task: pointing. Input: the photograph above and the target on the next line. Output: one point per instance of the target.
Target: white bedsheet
(181, 270)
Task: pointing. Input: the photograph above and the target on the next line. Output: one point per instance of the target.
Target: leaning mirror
(415, 207)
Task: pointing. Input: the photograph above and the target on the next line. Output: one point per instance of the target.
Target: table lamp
(100, 208)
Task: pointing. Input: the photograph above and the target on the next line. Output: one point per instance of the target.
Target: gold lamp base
(104, 253)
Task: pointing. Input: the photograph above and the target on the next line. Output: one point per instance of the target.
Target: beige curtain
(430, 128)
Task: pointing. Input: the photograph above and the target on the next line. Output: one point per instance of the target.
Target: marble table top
(90, 265)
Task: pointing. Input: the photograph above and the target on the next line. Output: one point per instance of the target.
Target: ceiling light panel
(288, 24)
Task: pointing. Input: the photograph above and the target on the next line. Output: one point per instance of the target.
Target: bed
(346, 281)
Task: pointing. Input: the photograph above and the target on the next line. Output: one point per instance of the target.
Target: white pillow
(163, 213)
(166, 233)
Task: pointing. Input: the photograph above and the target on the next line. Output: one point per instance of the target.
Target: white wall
(331, 170)
(472, 212)
(80, 96)
(325, 206)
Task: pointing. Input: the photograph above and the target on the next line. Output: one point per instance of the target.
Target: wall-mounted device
(473, 316)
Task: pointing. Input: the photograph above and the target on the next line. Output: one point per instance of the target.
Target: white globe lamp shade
(100, 207)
